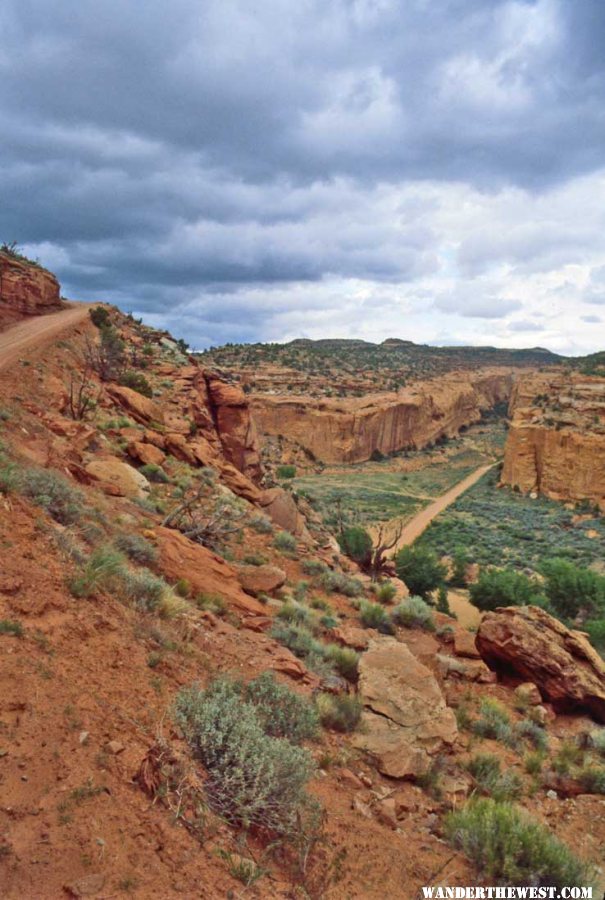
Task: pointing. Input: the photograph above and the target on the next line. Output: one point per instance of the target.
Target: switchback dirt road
(38, 331)
(422, 520)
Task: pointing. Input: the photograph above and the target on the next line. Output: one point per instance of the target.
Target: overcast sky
(240, 170)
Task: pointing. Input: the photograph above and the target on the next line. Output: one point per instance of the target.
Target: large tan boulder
(261, 579)
(207, 573)
(117, 477)
(406, 719)
(142, 409)
(562, 663)
(279, 505)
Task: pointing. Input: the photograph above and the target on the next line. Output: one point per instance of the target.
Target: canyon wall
(25, 290)
(351, 430)
(556, 442)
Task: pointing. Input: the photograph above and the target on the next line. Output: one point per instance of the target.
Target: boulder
(350, 636)
(539, 648)
(406, 719)
(528, 693)
(261, 579)
(279, 505)
(464, 644)
(142, 409)
(146, 454)
(117, 477)
(206, 572)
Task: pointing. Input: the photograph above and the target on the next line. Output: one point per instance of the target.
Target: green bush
(592, 779)
(597, 741)
(532, 732)
(286, 471)
(460, 561)
(373, 615)
(261, 524)
(100, 573)
(420, 569)
(339, 583)
(137, 548)
(505, 587)
(572, 589)
(313, 567)
(294, 612)
(385, 592)
(100, 317)
(10, 626)
(485, 769)
(142, 588)
(254, 559)
(285, 542)
(413, 612)
(494, 722)
(344, 659)
(596, 632)
(253, 779)
(154, 473)
(356, 543)
(53, 493)
(340, 712)
(282, 712)
(136, 381)
(509, 848)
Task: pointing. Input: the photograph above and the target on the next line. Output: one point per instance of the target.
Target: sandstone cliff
(556, 443)
(351, 430)
(25, 290)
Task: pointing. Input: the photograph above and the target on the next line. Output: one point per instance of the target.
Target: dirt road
(421, 520)
(37, 332)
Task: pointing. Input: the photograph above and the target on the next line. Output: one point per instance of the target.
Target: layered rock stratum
(25, 290)
(556, 442)
(352, 429)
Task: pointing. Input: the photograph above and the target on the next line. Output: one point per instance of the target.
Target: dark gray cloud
(181, 159)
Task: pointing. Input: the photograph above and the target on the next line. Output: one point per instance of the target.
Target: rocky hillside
(352, 430)
(556, 443)
(26, 289)
(200, 696)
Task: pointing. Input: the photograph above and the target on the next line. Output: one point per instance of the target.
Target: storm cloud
(364, 168)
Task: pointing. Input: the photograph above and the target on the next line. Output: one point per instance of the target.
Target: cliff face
(337, 431)
(25, 290)
(556, 443)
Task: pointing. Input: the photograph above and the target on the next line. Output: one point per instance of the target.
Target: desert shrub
(597, 741)
(252, 778)
(136, 381)
(261, 524)
(285, 542)
(385, 592)
(505, 587)
(320, 603)
(339, 583)
(596, 632)
(339, 712)
(282, 712)
(533, 762)
(373, 615)
(300, 591)
(313, 567)
(254, 559)
(356, 543)
(10, 626)
(420, 569)
(104, 567)
(485, 769)
(344, 659)
(460, 561)
(572, 589)
(286, 471)
(413, 612)
(137, 548)
(142, 588)
(297, 638)
(494, 722)
(9, 475)
(182, 588)
(99, 317)
(213, 603)
(53, 493)
(329, 622)
(569, 756)
(532, 732)
(154, 473)
(592, 779)
(509, 848)
(294, 612)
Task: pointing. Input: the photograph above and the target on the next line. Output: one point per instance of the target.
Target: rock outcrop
(406, 720)
(556, 443)
(25, 290)
(352, 430)
(562, 663)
